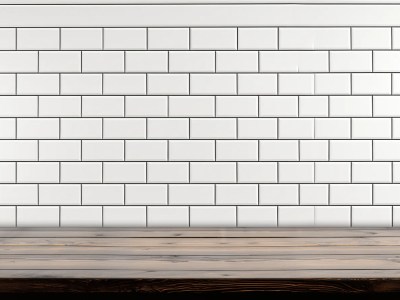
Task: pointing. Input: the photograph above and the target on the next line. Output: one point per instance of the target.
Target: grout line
(189, 84)
(392, 216)
(351, 38)
(277, 172)
(372, 192)
(190, 38)
(215, 106)
(167, 185)
(189, 169)
(236, 171)
(234, 116)
(351, 83)
(16, 38)
(102, 38)
(298, 193)
(125, 63)
(124, 150)
(147, 216)
(102, 216)
(329, 61)
(372, 61)
(102, 83)
(278, 33)
(215, 194)
(189, 129)
(168, 62)
(237, 215)
(208, 72)
(102, 172)
(391, 84)
(392, 167)
(147, 84)
(351, 172)
(351, 216)
(237, 84)
(277, 84)
(351, 128)
(38, 61)
(391, 38)
(81, 102)
(102, 128)
(215, 61)
(237, 128)
(277, 216)
(168, 143)
(124, 106)
(372, 149)
(299, 150)
(147, 38)
(189, 212)
(329, 194)
(147, 172)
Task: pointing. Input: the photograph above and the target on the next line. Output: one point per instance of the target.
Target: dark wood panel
(178, 286)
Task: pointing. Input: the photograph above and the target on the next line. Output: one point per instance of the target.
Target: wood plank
(204, 263)
(165, 250)
(196, 274)
(141, 254)
(206, 242)
(187, 287)
(197, 232)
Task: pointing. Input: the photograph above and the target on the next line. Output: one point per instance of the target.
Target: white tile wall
(257, 119)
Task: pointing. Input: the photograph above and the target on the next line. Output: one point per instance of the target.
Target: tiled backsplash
(200, 121)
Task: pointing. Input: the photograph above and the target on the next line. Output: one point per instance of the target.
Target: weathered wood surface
(197, 232)
(353, 260)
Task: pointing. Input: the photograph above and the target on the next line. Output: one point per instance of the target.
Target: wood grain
(183, 286)
(197, 232)
(193, 260)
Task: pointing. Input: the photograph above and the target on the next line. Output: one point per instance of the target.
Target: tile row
(199, 61)
(200, 194)
(233, 38)
(200, 172)
(198, 129)
(201, 84)
(199, 106)
(201, 150)
(204, 216)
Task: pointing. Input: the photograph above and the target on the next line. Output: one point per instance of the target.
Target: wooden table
(211, 260)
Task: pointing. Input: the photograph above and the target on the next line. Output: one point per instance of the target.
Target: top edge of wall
(189, 2)
(196, 14)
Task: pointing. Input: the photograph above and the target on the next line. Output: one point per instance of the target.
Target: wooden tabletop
(200, 259)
